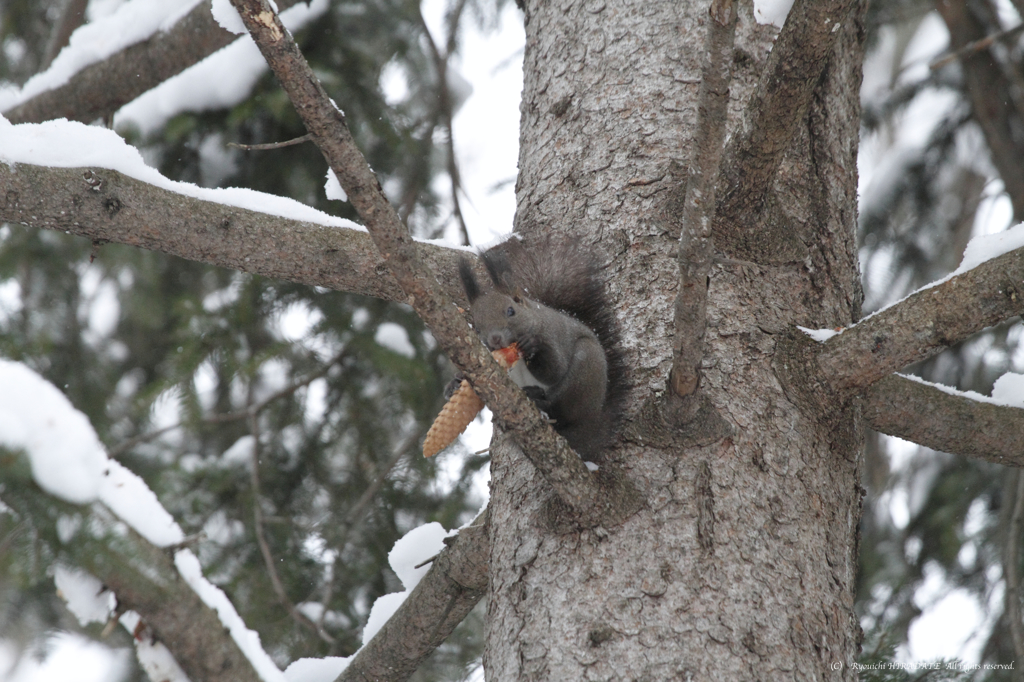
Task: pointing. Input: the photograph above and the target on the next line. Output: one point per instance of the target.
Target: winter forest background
(178, 365)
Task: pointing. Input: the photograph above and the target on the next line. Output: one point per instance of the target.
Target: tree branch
(926, 415)
(776, 109)
(695, 247)
(443, 598)
(118, 209)
(100, 89)
(559, 465)
(142, 577)
(923, 324)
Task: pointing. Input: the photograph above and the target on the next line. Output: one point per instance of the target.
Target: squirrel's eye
(510, 312)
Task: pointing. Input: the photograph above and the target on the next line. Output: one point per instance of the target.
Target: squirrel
(548, 298)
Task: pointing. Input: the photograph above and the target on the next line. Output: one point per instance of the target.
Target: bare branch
(695, 247)
(118, 209)
(270, 145)
(776, 109)
(142, 576)
(929, 416)
(923, 324)
(456, 581)
(560, 466)
(99, 90)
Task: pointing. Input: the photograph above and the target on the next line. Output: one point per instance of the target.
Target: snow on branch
(111, 62)
(943, 419)
(95, 514)
(775, 111)
(924, 323)
(456, 581)
(560, 466)
(107, 206)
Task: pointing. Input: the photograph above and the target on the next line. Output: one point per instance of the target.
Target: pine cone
(461, 408)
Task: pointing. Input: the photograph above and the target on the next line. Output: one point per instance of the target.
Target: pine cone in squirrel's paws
(462, 408)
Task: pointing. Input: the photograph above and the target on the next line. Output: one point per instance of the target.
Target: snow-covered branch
(945, 420)
(456, 581)
(772, 116)
(923, 324)
(561, 467)
(107, 206)
(99, 89)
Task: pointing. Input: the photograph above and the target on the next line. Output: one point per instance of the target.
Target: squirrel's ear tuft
(500, 269)
(469, 283)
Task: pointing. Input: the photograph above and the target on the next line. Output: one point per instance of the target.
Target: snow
(68, 461)
(316, 669)
(85, 596)
(772, 11)
(247, 640)
(132, 22)
(227, 16)
(67, 657)
(395, 338)
(333, 188)
(67, 458)
(820, 335)
(1008, 390)
(69, 144)
(415, 547)
(979, 250)
(988, 246)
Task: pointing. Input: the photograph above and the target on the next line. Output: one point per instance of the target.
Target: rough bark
(742, 563)
(773, 115)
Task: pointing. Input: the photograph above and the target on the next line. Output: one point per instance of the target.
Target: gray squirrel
(548, 298)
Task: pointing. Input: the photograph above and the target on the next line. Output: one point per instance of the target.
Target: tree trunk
(742, 562)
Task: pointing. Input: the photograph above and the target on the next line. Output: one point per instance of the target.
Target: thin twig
(271, 145)
(974, 46)
(445, 107)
